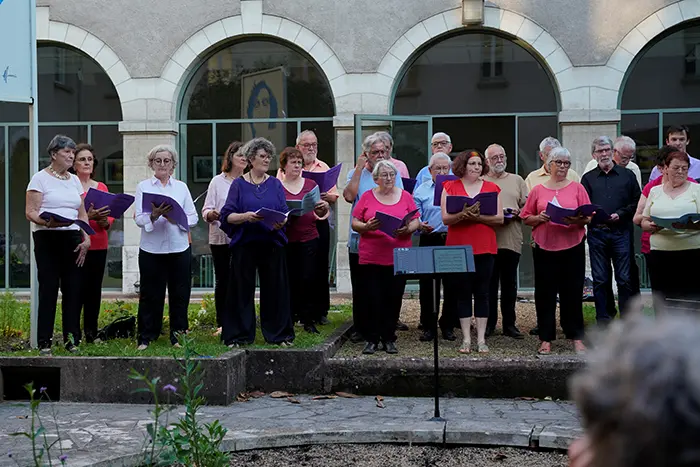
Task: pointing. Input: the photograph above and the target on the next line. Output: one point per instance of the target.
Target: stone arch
(87, 43)
(645, 32)
(251, 23)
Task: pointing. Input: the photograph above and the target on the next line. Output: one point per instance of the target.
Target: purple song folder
(557, 213)
(390, 224)
(488, 200)
(439, 180)
(46, 215)
(271, 217)
(324, 180)
(117, 203)
(409, 184)
(177, 213)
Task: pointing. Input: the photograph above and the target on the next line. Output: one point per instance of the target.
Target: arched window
(661, 89)
(78, 99)
(247, 89)
(480, 88)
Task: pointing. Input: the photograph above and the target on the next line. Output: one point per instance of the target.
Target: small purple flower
(169, 387)
(63, 457)
(42, 389)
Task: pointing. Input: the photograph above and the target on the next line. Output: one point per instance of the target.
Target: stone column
(139, 139)
(345, 154)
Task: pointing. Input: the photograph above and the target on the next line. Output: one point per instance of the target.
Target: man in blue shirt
(358, 182)
(440, 142)
(434, 233)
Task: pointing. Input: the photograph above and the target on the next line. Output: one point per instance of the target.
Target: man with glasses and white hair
(440, 142)
(541, 175)
(389, 143)
(623, 155)
(509, 237)
(434, 233)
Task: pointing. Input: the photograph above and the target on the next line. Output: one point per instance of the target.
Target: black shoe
(512, 331)
(489, 331)
(311, 328)
(401, 326)
(370, 348)
(390, 347)
(356, 338)
(449, 335)
(72, 348)
(535, 331)
(323, 320)
(420, 326)
(426, 336)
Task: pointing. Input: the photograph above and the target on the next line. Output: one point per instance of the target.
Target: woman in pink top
(559, 253)
(231, 168)
(302, 242)
(376, 252)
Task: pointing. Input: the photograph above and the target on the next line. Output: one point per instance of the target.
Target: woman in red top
(94, 267)
(376, 250)
(303, 246)
(469, 227)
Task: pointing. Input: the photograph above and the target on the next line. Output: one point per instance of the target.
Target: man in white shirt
(623, 154)
(440, 142)
(679, 137)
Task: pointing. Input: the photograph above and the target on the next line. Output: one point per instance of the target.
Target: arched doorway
(245, 89)
(78, 99)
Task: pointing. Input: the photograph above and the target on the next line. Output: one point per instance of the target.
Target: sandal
(466, 347)
(545, 348)
(579, 347)
(483, 348)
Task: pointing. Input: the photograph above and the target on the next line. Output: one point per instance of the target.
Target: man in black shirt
(616, 191)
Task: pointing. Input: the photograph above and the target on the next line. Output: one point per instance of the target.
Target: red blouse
(481, 237)
(99, 241)
(301, 228)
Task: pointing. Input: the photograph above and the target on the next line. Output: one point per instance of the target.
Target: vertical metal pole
(33, 168)
(436, 309)
(6, 162)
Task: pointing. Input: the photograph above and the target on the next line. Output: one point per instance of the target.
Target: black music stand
(434, 262)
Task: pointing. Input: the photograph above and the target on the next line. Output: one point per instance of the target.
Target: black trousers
(270, 262)
(158, 271)
(360, 311)
(448, 319)
(56, 268)
(473, 284)
(505, 273)
(559, 272)
(322, 293)
(670, 283)
(385, 292)
(221, 255)
(302, 258)
(93, 271)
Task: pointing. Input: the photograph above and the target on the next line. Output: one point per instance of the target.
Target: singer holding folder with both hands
(164, 253)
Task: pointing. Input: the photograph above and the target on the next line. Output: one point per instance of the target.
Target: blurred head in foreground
(639, 396)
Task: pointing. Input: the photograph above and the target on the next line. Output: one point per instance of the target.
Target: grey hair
(304, 133)
(370, 141)
(383, 163)
(251, 148)
(59, 142)
(601, 141)
(440, 134)
(558, 152)
(439, 156)
(625, 142)
(639, 395)
(161, 148)
(549, 142)
(386, 137)
(494, 145)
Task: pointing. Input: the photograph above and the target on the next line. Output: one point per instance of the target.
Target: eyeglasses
(497, 157)
(162, 161)
(679, 169)
(602, 151)
(377, 152)
(387, 176)
(437, 144)
(563, 163)
(264, 156)
(439, 169)
(309, 145)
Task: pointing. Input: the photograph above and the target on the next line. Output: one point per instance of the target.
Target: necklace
(258, 192)
(57, 175)
(257, 184)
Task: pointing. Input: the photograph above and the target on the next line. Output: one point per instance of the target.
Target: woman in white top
(164, 253)
(59, 247)
(673, 247)
(233, 166)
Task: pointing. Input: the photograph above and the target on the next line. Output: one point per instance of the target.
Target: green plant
(154, 449)
(10, 310)
(120, 309)
(187, 441)
(205, 315)
(37, 433)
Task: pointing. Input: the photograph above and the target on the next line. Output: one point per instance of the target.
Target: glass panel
(19, 226)
(689, 119)
(411, 141)
(3, 210)
(257, 79)
(644, 130)
(667, 74)
(226, 133)
(107, 142)
(474, 73)
(14, 112)
(78, 133)
(73, 87)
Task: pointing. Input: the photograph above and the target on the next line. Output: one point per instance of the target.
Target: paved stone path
(113, 434)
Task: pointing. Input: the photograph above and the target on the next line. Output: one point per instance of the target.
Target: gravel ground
(384, 455)
(500, 346)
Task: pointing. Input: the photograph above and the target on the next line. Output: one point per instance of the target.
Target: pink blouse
(548, 235)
